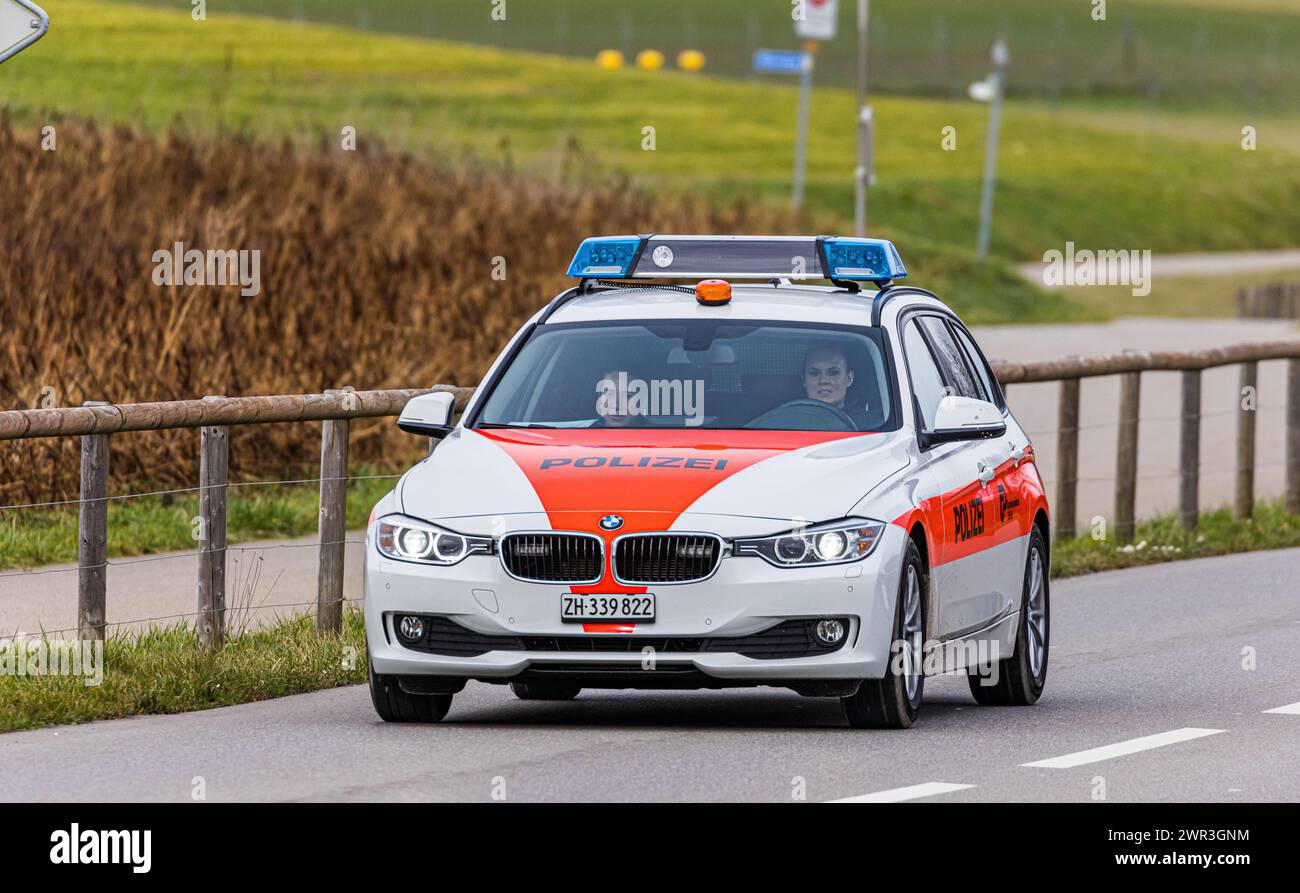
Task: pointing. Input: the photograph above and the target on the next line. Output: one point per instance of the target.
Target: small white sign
(818, 22)
(22, 23)
(981, 91)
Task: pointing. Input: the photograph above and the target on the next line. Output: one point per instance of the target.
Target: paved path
(264, 580)
(1211, 264)
(1147, 699)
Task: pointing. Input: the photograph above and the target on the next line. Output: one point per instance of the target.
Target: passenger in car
(611, 389)
(827, 378)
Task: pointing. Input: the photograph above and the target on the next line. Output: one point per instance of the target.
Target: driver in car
(827, 379)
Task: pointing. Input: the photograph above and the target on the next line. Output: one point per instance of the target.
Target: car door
(1015, 480)
(972, 570)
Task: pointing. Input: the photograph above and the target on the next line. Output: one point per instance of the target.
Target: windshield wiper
(515, 425)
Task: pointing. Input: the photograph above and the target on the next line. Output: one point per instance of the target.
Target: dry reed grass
(376, 272)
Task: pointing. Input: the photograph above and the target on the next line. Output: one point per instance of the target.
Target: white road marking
(1293, 709)
(911, 792)
(1123, 748)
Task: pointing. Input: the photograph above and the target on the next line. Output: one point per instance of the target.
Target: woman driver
(827, 379)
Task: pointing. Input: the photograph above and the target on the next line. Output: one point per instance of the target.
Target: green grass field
(1231, 51)
(1059, 180)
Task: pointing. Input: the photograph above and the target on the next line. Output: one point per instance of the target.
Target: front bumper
(744, 597)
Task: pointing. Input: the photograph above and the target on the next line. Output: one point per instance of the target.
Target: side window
(981, 365)
(927, 383)
(952, 362)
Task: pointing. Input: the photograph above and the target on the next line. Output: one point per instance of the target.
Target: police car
(698, 469)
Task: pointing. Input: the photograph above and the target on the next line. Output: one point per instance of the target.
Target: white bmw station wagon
(700, 468)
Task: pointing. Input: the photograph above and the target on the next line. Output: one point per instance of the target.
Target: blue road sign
(786, 61)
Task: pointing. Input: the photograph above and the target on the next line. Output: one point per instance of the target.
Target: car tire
(893, 702)
(394, 705)
(544, 691)
(1021, 676)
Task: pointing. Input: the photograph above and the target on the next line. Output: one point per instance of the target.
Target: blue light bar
(738, 257)
(872, 260)
(610, 256)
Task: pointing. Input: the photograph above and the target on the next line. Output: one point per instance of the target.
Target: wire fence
(334, 410)
(49, 633)
(200, 489)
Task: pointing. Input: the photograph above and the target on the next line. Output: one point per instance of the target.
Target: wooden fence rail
(1278, 300)
(1129, 366)
(95, 422)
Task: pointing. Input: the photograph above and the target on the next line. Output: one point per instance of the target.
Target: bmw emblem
(611, 522)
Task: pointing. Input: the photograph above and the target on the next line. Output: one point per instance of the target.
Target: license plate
(607, 608)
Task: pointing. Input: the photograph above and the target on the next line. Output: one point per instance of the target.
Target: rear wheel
(893, 702)
(1021, 677)
(544, 691)
(395, 705)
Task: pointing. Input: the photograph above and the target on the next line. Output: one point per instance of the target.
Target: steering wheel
(795, 411)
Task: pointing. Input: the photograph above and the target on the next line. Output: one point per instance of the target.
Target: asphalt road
(1147, 658)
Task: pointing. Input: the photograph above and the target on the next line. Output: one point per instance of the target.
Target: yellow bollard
(650, 60)
(690, 60)
(609, 60)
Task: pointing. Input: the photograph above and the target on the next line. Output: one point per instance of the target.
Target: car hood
(733, 482)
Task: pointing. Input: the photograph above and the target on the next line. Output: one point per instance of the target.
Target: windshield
(696, 374)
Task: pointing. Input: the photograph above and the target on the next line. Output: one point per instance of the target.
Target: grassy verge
(33, 537)
(1181, 296)
(163, 671)
(1162, 540)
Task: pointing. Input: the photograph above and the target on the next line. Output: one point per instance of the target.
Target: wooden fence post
(214, 474)
(1126, 455)
(1293, 436)
(333, 524)
(1067, 459)
(1245, 507)
(1189, 452)
(92, 540)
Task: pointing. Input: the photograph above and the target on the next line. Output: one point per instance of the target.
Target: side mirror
(428, 414)
(963, 418)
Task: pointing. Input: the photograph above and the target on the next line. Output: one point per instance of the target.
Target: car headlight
(409, 540)
(836, 542)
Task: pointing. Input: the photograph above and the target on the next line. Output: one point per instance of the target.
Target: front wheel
(1021, 677)
(395, 705)
(893, 702)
